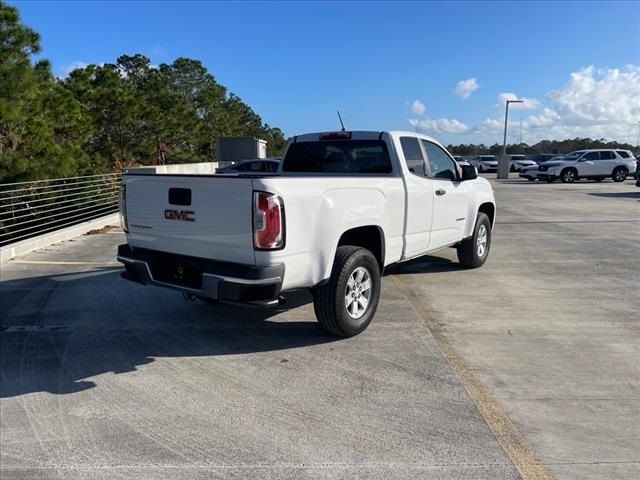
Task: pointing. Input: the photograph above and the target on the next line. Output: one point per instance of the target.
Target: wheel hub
(358, 292)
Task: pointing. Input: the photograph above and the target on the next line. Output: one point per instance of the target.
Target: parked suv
(591, 164)
(485, 163)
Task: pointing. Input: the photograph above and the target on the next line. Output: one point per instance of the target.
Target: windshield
(518, 157)
(338, 156)
(488, 159)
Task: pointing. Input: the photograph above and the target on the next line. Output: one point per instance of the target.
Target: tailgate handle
(180, 196)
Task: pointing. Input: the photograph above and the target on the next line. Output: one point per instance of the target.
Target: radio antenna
(340, 118)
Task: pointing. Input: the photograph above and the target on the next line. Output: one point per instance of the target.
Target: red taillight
(268, 221)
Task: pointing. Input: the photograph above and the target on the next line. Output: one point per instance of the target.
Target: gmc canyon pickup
(341, 207)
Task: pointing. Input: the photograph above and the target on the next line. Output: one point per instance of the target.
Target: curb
(25, 246)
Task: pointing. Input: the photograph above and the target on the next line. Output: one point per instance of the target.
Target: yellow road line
(45, 262)
(511, 440)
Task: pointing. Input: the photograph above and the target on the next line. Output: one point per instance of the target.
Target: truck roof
(362, 135)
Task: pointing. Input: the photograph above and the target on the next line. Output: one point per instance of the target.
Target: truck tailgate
(206, 216)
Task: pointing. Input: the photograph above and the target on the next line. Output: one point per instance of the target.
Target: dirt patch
(104, 229)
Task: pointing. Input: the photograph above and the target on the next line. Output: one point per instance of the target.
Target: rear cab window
(338, 157)
(413, 155)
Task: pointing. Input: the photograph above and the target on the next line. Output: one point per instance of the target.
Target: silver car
(485, 163)
(517, 162)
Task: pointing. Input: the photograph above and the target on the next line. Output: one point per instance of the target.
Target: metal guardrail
(28, 209)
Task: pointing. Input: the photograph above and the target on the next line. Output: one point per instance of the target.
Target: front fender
(480, 192)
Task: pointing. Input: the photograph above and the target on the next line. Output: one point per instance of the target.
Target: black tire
(329, 300)
(568, 175)
(480, 169)
(531, 179)
(512, 169)
(468, 250)
(619, 174)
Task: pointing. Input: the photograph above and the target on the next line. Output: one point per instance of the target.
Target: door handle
(440, 192)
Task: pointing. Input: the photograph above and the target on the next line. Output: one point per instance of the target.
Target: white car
(531, 172)
(341, 208)
(485, 163)
(596, 164)
(517, 162)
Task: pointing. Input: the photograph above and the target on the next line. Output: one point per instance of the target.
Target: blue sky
(295, 63)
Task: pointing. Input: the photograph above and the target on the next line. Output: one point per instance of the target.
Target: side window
(413, 155)
(440, 164)
(591, 156)
(607, 156)
(623, 153)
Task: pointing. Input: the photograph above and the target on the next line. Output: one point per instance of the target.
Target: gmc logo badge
(182, 215)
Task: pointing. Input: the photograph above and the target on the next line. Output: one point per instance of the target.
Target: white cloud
(527, 103)
(418, 108)
(465, 88)
(65, 71)
(595, 103)
(492, 125)
(597, 97)
(439, 125)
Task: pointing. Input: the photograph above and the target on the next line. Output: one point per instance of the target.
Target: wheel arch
(370, 237)
(489, 209)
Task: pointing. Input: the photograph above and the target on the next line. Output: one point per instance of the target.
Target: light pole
(503, 161)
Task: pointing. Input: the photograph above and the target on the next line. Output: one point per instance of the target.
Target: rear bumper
(200, 276)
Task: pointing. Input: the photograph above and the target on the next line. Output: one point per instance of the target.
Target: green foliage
(105, 117)
(544, 146)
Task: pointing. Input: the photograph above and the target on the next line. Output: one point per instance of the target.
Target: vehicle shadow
(617, 194)
(61, 330)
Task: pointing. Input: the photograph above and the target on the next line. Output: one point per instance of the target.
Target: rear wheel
(473, 252)
(569, 175)
(619, 174)
(347, 303)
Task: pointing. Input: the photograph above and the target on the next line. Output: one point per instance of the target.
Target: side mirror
(469, 172)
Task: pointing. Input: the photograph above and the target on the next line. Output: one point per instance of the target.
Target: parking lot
(528, 367)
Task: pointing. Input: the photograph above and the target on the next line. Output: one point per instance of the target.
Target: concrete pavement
(101, 378)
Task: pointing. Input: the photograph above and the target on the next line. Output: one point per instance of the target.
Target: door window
(441, 165)
(413, 155)
(591, 156)
(607, 155)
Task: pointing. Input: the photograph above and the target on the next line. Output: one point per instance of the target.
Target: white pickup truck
(341, 207)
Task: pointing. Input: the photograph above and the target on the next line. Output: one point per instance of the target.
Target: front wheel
(473, 252)
(568, 175)
(347, 303)
(619, 174)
